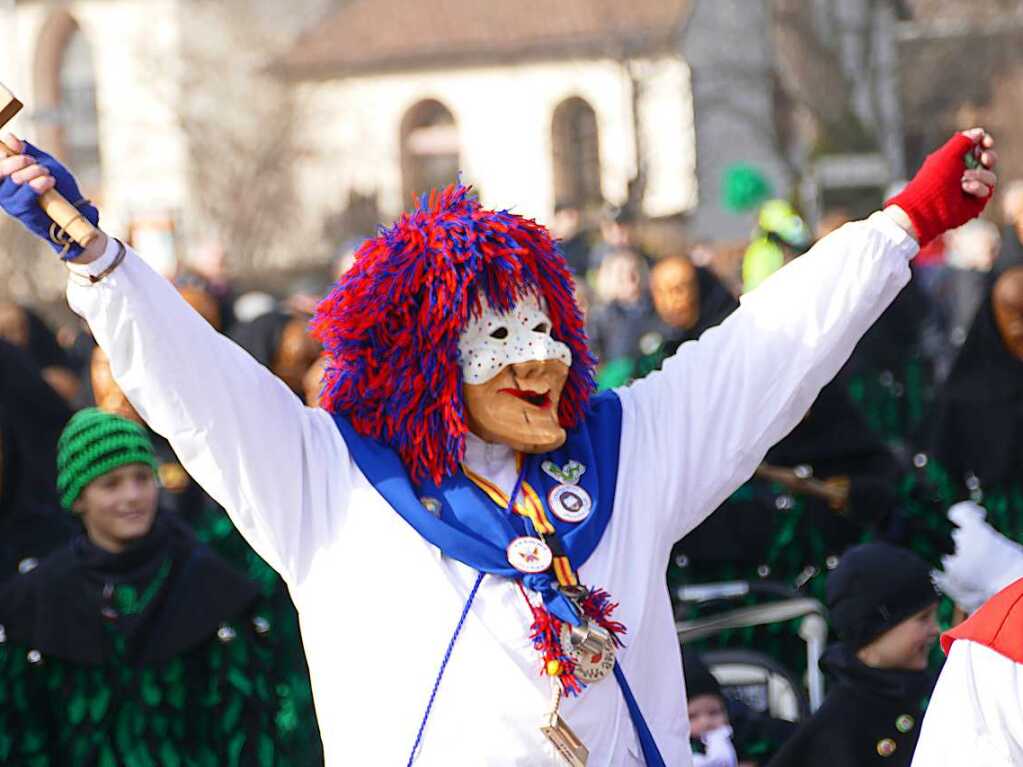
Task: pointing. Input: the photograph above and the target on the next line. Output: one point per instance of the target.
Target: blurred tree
(240, 124)
(29, 273)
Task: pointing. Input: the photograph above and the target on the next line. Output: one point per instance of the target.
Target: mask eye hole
(542, 327)
(499, 333)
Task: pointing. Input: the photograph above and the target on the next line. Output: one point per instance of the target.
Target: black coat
(868, 713)
(58, 608)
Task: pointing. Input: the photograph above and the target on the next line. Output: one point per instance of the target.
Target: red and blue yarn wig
(391, 325)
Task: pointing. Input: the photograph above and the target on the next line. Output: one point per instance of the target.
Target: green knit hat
(95, 443)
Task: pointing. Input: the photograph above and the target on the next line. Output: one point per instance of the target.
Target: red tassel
(546, 635)
(597, 606)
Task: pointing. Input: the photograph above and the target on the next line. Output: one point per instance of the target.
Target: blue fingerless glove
(21, 202)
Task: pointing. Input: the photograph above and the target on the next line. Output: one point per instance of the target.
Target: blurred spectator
(780, 236)
(890, 374)
(1011, 253)
(619, 230)
(971, 251)
(675, 290)
(822, 488)
(684, 302)
(208, 261)
(304, 294)
(710, 735)
(25, 329)
(162, 651)
(32, 416)
(702, 254)
(883, 607)
(688, 300)
(567, 228)
(106, 394)
(622, 312)
(198, 295)
(253, 304)
(312, 382)
(280, 341)
(977, 424)
(817, 492)
(723, 731)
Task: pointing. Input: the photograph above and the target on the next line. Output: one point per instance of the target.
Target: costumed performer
(974, 716)
(475, 544)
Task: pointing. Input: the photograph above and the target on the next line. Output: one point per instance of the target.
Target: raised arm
(696, 430)
(280, 469)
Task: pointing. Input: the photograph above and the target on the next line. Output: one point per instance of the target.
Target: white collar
(492, 460)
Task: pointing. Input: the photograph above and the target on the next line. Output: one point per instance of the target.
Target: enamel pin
(529, 555)
(568, 474)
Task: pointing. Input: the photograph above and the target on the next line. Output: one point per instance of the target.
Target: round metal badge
(569, 503)
(529, 555)
(592, 650)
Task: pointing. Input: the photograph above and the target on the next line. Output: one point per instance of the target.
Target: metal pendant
(529, 555)
(569, 503)
(592, 649)
(567, 743)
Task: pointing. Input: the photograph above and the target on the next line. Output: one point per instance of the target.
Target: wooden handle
(800, 485)
(61, 212)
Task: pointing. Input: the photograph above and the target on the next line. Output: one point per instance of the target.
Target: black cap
(699, 680)
(875, 587)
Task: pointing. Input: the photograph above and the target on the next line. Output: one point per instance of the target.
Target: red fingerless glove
(934, 200)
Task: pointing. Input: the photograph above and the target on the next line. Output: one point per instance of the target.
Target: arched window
(576, 148)
(66, 99)
(429, 148)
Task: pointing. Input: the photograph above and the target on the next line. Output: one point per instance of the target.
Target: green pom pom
(744, 187)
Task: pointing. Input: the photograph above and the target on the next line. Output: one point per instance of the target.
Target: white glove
(720, 751)
(984, 562)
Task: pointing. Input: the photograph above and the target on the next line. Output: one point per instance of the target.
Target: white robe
(975, 715)
(378, 604)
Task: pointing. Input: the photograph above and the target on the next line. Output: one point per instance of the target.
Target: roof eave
(621, 48)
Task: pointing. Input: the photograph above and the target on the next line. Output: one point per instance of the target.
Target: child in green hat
(162, 652)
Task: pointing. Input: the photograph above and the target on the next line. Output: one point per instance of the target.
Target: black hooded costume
(978, 423)
(32, 417)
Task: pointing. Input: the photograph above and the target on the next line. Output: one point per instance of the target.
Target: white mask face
(493, 341)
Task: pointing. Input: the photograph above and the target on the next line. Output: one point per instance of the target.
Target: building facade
(85, 72)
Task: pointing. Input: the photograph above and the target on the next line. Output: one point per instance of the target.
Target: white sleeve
(975, 715)
(281, 470)
(697, 429)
